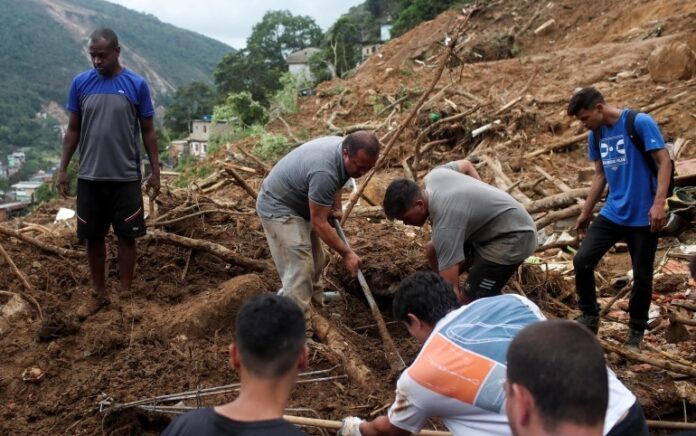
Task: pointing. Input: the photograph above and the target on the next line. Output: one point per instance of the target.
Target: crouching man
(459, 374)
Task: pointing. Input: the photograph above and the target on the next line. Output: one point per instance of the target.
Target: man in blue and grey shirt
(110, 107)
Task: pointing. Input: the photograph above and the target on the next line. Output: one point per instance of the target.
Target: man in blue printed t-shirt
(110, 106)
(635, 208)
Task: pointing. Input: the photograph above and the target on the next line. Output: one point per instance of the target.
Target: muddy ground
(171, 333)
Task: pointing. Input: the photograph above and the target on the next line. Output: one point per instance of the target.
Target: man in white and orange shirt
(460, 372)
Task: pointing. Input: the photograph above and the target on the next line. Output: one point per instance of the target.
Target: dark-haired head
(270, 335)
(360, 151)
(106, 34)
(584, 99)
(404, 200)
(423, 297)
(562, 366)
(104, 52)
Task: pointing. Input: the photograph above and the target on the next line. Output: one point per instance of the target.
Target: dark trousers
(642, 244)
(633, 424)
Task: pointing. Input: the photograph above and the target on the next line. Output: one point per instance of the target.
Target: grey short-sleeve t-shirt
(466, 210)
(313, 172)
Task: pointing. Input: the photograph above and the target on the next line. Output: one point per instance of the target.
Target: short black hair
(107, 34)
(586, 98)
(562, 365)
(692, 267)
(426, 295)
(362, 140)
(400, 196)
(270, 334)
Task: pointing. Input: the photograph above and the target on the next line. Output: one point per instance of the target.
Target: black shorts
(486, 278)
(101, 204)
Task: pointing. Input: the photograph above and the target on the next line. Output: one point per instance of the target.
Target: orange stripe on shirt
(450, 370)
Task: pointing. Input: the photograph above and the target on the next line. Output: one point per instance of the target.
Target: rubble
(171, 333)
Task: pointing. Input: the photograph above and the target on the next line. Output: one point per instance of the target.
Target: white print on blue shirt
(613, 152)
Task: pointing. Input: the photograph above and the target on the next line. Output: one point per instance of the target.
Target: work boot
(633, 340)
(589, 321)
(93, 304)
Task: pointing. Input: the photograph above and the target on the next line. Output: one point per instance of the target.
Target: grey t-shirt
(466, 210)
(110, 109)
(313, 172)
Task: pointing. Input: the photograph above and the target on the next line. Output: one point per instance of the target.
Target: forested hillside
(43, 47)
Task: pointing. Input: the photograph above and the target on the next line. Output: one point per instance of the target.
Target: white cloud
(230, 21)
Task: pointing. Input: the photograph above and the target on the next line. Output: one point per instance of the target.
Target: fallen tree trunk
(240, 181)
(42, 245)
(218, 250)
(503, 181)
(347, 355)
(559, 144)
(640, 357)
(564, 199)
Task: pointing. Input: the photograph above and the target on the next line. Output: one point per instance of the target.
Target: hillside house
(16, 159)
(24, 191)
(298, 63)
(196, 144)
(11, 210)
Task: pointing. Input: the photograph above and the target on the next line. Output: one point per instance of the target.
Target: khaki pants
(298, 256)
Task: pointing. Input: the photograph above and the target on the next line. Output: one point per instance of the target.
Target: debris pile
(495, 94)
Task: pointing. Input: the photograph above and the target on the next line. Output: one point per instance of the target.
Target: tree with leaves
(258, 68)
(190, 102)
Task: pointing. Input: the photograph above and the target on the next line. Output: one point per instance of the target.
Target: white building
(298, 63)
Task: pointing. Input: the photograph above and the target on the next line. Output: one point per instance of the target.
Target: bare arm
(147, 127)
(451, 276)
(657, 215)
(337, 209)
(599, 181)
(319, 217)
(70, 141)
(381, 427)
(466, 167)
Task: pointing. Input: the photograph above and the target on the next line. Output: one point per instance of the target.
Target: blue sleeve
(73, 99)
(647, 128)
(592, 151)
(145, 108)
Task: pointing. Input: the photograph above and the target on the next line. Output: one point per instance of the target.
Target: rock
(675, 61)
(15, 309)
(676, 333)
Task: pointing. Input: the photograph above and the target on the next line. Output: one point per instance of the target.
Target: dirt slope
(139, 349)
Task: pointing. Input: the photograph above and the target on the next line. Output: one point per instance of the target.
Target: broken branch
(218, 250)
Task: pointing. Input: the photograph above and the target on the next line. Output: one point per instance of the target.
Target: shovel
(393, 357)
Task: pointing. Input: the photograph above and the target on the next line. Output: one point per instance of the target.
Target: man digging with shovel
(299, 197)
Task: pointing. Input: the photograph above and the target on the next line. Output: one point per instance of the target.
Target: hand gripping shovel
(393, 357)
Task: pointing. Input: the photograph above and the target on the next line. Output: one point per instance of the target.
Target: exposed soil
(172, 332)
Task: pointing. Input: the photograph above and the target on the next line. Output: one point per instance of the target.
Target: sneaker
(589, 321)
(633, 340)
(91, 306)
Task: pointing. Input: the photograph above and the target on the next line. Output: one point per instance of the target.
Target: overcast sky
(230, 21)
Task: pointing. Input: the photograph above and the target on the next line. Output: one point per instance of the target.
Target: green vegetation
(257, 69)
(189, 102)
(40, 56)
(190, 170)
(271, 146)
(242, 107)
(179, 55)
